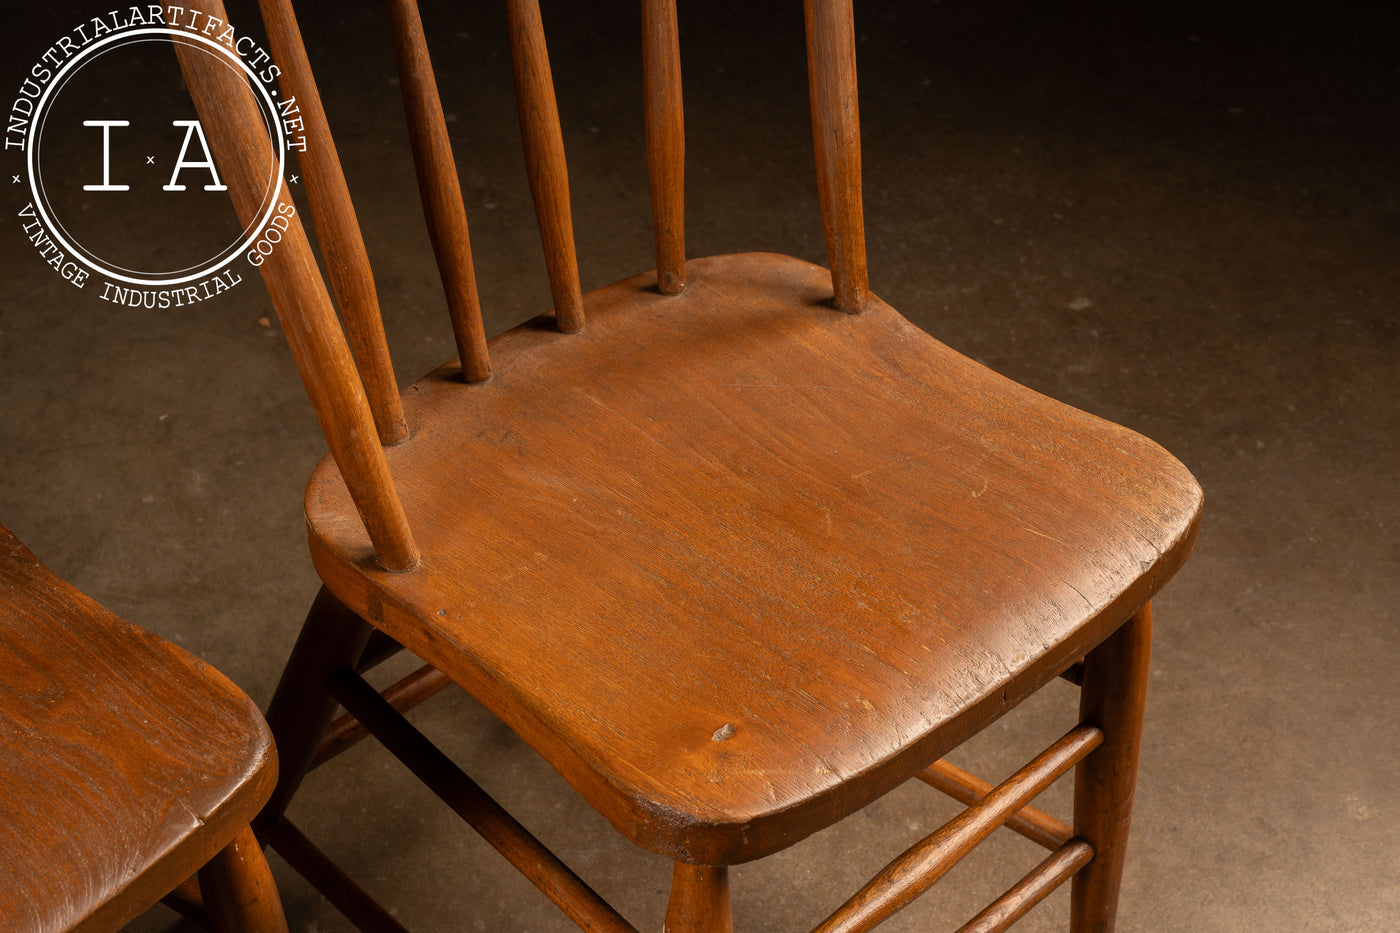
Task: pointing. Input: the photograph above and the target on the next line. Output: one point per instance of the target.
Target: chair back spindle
(665, 133)
(337, 228)
(831, 71)
(544, 158)
(243, 153)
(439, 187)
(349, 420)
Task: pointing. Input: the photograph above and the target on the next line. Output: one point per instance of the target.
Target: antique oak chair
(126, 766)
(733, 545)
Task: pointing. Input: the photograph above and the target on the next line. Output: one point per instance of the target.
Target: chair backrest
(351, 384)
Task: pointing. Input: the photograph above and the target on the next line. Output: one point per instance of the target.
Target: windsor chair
(734, 546)
(127, 766)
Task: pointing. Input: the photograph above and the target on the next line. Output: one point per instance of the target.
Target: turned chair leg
(699, 900)
(239, 894)
(332, 638)
(1113, 698)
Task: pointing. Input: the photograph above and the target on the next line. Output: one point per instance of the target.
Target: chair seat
(736, 563)
(125, 762)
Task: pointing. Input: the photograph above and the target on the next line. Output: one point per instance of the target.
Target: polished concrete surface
(1186, 220)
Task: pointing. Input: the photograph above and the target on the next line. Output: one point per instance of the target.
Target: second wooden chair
(126, 767)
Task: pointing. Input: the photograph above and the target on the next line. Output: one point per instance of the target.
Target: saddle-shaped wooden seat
(737, 564)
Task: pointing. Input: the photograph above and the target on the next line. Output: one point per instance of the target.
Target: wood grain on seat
(737, 563)
(125, 763)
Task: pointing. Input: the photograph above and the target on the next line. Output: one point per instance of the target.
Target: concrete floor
(1185, 220)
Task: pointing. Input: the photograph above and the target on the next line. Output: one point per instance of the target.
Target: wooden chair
(733, 545)
(126, 766)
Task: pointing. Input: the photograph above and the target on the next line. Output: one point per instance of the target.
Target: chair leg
(331, 639)
(239, 894)
(699, 900)
(1113, 698)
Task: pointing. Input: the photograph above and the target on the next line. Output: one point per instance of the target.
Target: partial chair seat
(125, 762)
(736, 563)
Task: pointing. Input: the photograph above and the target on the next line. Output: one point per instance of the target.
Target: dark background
(1183, 217)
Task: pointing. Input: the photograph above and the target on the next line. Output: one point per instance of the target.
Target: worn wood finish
(1113, 697)
(529, 856)
(831, 70)
(128, 762)
(403, 695)
(900, 882)
(439, 187)
(665, 129)
(331, 638)
(544, 159)
(699, 900)
(326, 877)
(239, 893)
(827, 539)
(1032, 889)
(1040, 828)
(337, 227)
(243, 155)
